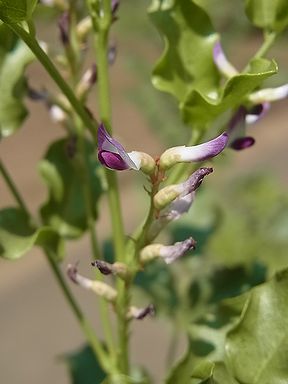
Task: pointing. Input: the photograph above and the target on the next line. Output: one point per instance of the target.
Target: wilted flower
(112, 155)
(118, 269)
(64, 26)
(101, 289)
(201, 152)
(168, 253)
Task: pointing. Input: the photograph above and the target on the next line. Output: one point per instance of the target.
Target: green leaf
(65, 208)
(14, 58)
(202, 108)
(257, 347)
(84, 368)
(17, 235)
(186, 63)
(268, 14)
(17, 10)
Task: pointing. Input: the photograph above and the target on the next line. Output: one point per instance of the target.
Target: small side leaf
(14, 58)
(267, 14)
(65, 208)
(17, 236)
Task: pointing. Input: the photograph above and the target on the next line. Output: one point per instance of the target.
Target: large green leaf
(84, 368)
(14, 58)
(65, 209)
(257, 347)
(202, 108)
(187, 61)
(211, 373)
(17, 10)
(268, 14)
(17, 235)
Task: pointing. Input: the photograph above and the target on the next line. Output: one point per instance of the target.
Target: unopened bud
(140, 313)
(64, 27)
(88, 80)
(57, 114)
(112, 52)
(83, 28)
(168, 253)
(101, 289)
(117, 269)
(168, 194)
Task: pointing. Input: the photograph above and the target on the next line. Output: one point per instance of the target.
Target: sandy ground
(36, 325)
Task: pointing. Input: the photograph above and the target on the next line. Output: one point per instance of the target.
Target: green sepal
(18, 236)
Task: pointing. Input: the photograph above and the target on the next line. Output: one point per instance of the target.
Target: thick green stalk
(101, 31)
(84, 324)
(44, 59)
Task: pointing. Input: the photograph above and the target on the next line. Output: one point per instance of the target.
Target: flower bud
(201, 152)
(88, 80)
(140, 313)
(168, 194)
(57, 114)
(83, 28)
(101, 289)
(168, 253)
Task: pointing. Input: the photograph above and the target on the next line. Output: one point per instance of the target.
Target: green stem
(12, 187)
(101, 30)
(84, 324)
(269, 38)
(44, 59)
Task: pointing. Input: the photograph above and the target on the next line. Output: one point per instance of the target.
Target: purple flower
(112, 155)
(201, 152)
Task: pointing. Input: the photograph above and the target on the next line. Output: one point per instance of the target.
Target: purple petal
(111, 154)
(221, 61)
(206, 150)
(242, 143)
(171, 253)
(195, 180)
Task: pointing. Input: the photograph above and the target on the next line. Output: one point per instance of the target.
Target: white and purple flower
(169, 253)
(112, 155)
(201, 152)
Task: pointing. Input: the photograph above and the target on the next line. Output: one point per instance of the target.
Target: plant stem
(269, 39)
(44, 59)
(101, 30)
(84, 324)
(13, 189)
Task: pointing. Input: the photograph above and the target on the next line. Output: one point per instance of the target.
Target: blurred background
(36, 325)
